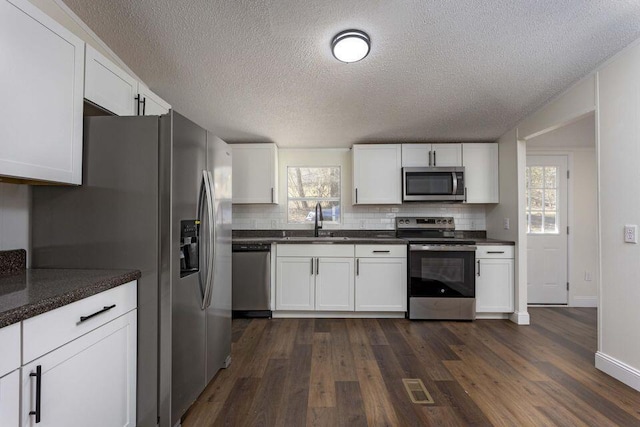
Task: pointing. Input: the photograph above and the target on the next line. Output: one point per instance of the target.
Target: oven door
(442, 272)
(433, 184)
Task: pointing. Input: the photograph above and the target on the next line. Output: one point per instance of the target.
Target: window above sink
(307, 186)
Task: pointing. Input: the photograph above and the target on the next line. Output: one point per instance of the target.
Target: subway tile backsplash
(371, 217)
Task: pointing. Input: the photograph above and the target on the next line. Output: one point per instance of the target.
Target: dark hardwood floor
(348, 372)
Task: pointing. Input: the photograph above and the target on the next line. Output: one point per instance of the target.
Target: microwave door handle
(455, 183)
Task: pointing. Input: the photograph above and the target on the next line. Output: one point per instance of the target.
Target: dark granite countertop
(28, 293)
(328, 240)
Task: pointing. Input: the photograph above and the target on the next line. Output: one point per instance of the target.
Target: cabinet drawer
(10, 348)
(385, 251)
(315, 250)
(50, 330)
(495, 251)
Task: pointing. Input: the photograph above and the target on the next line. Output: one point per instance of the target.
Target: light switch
(631, 234)
(507, 226)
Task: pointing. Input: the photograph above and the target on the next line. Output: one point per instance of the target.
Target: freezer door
(218, 312)
(189, 144)
(111, 221)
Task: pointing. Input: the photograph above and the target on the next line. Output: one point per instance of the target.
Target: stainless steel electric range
(442, 279)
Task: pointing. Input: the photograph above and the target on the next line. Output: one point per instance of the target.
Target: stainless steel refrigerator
(156, 196)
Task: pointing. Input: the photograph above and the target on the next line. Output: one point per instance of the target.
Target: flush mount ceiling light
(351, 46)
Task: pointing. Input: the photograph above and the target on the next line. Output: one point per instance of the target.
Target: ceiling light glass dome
(351, 45)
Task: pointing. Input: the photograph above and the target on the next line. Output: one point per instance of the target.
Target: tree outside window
(542, 199)
(307, 186)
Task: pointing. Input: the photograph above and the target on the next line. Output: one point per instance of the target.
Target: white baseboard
(337, 315)
(618, 370)
(481, 316)
(520, 318)
(584, 302)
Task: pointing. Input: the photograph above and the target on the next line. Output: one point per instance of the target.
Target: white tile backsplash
(263, 217)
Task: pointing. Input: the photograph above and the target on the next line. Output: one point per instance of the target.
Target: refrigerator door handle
(205, 195)
(212, 240)
(201, 206)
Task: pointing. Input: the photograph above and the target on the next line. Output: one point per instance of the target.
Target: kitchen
(620, 356)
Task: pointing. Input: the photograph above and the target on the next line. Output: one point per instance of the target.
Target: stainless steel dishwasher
(251, 280)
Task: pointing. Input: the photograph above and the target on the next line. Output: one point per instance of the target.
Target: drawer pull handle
(495, 252)
(106, 308)
(381, 252)
(38, 376)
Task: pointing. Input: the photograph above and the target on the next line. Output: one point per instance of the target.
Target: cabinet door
(108, 86)
(295, 283)
(334, 284)
(416, 155)
(377, 170)
(150, 103)
(89, 381)
(381, 284)
(10, 399)
(41, 81)
(494, 286)
(481, 172)
(255, 169)
(446, 155)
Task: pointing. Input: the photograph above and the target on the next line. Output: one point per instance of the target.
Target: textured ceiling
(261, 70)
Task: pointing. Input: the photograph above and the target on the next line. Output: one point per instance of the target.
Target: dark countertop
(327, 240)
(31, 292)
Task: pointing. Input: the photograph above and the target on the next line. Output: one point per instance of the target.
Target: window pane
(303, 212)
(535, 222)
(550, 200)
(550, 223)
(313, 182)
(535, 199)
(535, 180)
(550, 174)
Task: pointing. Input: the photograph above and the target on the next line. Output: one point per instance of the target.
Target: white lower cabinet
(381, 284)
(495, 279)
(10, 399)
(295, 283)
(334, 284)
(381, 278)
(88, 381)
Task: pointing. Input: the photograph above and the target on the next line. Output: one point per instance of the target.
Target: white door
(295, 283)
(90, 381)
(334, 284)
(381, 284)
(108, 86)
(446, 155)
(255, 169)
(10, 399)
(377, 174)
(494, 285)
(481, 173)
(547, 229)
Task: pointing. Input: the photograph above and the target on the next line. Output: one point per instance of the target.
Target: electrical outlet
(588, 277)
(506, 224)
(631, 234)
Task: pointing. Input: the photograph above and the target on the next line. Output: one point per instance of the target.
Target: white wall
(382, 217)
(619, 181)
(14, 216)
(577, 141)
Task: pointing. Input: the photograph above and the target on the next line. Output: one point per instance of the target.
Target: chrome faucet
(318, 213)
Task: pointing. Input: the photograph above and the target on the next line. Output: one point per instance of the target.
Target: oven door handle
(455, 183)
(442, 248)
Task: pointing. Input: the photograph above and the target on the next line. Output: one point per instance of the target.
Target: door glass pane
(535, 200)
(550, 225)
(550, 200)
(535, 222)
(535, 180)
(550, 173)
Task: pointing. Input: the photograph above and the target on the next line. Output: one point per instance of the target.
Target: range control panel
(425, 223)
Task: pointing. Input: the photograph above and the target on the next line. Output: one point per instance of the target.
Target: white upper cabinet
(108, 86)
(41, 81)
(434, 155)
(481, 173)
(151, 104)
(255, 173)
(377, 170)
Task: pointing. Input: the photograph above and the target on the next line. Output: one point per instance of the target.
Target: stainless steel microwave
(433, 184)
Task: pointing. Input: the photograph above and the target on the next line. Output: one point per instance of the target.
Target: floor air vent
(417, 391)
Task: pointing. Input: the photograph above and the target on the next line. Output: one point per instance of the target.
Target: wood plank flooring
(348, 372)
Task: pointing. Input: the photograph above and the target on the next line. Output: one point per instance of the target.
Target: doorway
(547, 229)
